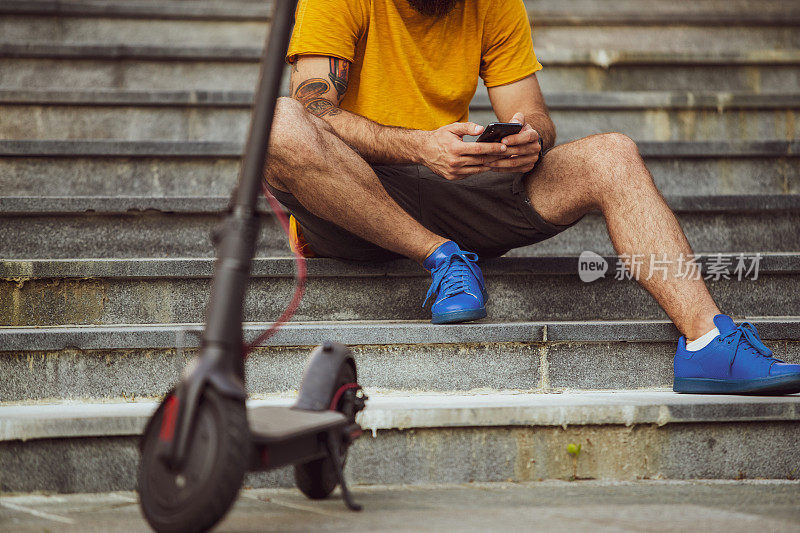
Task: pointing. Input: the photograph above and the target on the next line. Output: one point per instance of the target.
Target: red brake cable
(300, 275)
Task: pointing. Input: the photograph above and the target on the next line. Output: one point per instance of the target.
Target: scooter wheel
(197, 495)
(318, 478)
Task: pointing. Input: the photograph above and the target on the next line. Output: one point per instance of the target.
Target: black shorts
(488, 213)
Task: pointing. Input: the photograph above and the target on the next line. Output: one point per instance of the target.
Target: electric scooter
(202, 439)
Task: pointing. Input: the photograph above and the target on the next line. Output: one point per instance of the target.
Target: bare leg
(335, 183)
(606, 172)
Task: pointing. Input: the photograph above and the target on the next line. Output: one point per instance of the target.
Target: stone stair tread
(595, 57)
(542, 14)
(23, 269)
(221, 149)
(29, 205)
(366, 332)
(412, 410)
(716, 100)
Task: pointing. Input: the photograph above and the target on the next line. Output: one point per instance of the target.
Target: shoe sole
(459, 316)
(788, 384)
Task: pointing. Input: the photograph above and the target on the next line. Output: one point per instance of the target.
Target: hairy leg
(332, 181)
(606, 172)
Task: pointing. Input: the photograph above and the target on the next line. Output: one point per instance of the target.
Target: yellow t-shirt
(415, 71)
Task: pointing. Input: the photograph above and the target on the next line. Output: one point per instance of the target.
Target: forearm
(376, 143)
(525, 97)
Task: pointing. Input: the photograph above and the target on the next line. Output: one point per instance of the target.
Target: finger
(472, 170)
(464, 128)
(516, 162)
(519, 118)
(481, 148)
(527, 135)
(469, 160)
(532, 148)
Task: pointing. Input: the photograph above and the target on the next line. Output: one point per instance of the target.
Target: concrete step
(89, 168)
(139, 361)
(71, 227)
(138, 291)
(225, 116)
(773, 33)
(121, 227)
(436, 438)
(151, 67)
(547, 12)
(240, 25)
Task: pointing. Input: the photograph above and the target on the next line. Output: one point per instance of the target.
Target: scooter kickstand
(333, 451)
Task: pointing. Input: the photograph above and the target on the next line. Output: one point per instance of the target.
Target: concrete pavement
(707, 506)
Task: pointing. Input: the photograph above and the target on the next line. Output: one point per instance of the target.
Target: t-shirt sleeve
(327, 27)
(507, 50)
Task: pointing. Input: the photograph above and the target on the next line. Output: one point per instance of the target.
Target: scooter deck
(272, 424)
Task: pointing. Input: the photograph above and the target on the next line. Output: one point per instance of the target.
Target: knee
(293, 127)
(616, 163)
(615, 150)
(617, 143)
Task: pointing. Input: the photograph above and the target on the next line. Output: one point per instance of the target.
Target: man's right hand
(445, 152)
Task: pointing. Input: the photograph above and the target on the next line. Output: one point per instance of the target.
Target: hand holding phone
(523, 150)
(497, 131)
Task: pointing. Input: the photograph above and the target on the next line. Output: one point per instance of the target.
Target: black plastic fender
(319, 376)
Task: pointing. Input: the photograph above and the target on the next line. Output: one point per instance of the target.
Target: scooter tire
(196, 496)
(318, 479)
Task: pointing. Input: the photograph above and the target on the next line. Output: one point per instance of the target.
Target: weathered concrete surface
(127, 31)
(459, 366)
(626, 36)
(121, 226)
(107, 176)
(22, 270)
(134, 234)
(236, 70)
(740, 506)
(220, 124)
(547, 12)
(458, 455)
(402, 410)
(449, 438)
(119, 204)
(224, 115)
(73, 374)
(294, 334)
(652, 77)
(87, 176)
(313, 333)
(157, 234)
(518, 297)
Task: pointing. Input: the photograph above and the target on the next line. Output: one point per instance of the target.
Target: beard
(433, 8)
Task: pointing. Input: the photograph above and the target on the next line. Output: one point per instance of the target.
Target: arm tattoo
(309, 93)
(340, 70)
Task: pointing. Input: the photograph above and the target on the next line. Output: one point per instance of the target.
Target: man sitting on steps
(369, 158)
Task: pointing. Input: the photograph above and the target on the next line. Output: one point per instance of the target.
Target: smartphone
(496, 131)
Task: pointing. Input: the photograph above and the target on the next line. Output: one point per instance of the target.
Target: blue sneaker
(457, 288)
(736, 362)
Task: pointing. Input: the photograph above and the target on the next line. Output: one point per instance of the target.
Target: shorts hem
(532, 215)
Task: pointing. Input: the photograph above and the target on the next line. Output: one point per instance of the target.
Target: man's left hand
(523, 149)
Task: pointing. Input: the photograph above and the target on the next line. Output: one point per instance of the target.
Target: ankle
(699, 327)
(430, 248)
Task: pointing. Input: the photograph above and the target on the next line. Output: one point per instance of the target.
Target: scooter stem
(221, 363)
